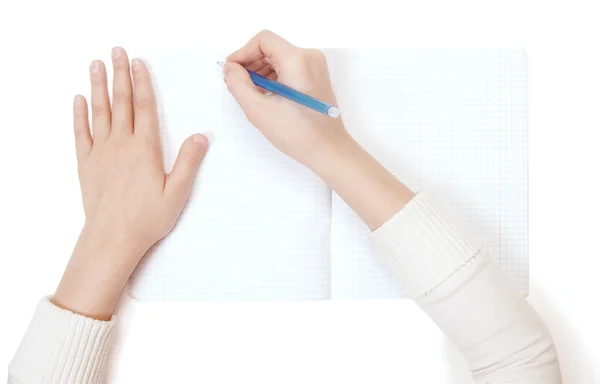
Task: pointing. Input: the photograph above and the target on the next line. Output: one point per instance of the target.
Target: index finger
(264, 44)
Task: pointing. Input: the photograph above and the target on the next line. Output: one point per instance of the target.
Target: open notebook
(259, 226)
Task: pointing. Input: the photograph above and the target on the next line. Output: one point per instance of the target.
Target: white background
(46, 48)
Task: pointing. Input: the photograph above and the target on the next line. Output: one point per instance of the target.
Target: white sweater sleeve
(61, 347)
(455, 283)
(467, 296)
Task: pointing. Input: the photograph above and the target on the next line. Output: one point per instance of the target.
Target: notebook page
(257, 224)
(453, 123)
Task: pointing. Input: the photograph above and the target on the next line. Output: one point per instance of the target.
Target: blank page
(453, 123)
(257, 225)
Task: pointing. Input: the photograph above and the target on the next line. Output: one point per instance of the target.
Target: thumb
(243, 89)
(180, 180)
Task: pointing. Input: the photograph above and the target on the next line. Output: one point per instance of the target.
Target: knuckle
(97, 80)
(265, 33)
(195, 157)
(143, 104)
(140, 76)
(119, 66)
(302, 63)
(120, 98)
(80, 132)
(317, 54)
(99, 110)
(141, 80)
(313, 56)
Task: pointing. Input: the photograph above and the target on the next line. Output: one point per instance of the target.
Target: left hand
(129, 201)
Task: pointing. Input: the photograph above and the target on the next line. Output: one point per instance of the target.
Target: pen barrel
(291, 94)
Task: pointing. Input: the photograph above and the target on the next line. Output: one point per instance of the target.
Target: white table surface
(46, 49)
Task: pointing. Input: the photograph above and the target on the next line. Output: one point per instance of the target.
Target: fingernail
(226, 68)
(95, 66)
(116, 52)
(77, 100)
(200, 141)
(135, 64)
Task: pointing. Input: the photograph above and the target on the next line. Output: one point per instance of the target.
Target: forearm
(451, 278)
(493, 326)
(362, 182)
(467, 295)
(69, 336)
(96, 274)
(61, 347)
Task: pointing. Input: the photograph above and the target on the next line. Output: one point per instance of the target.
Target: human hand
(315, 140)
(301, 133)
(129, 201)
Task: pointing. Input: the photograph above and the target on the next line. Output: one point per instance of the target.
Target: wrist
(360, 180)
(334, 155)
(341, 155)
(96, 273)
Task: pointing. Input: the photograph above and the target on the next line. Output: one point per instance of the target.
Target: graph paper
(258, 226)
(453, 123)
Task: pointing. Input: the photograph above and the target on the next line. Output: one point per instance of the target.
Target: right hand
(319, 142)
(301, 133)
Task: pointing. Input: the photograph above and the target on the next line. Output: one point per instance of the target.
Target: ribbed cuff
(62, 347)
(421, 246)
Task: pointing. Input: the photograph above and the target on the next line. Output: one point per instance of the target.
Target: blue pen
(292, 94)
